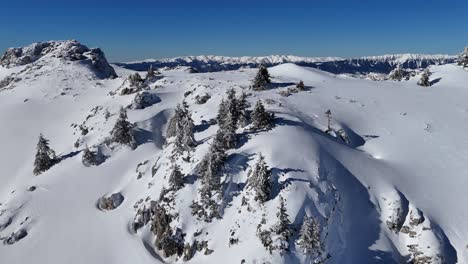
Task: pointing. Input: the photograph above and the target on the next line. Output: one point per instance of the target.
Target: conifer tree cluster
(424, 81)
(309, 237)
(122, 131)
(397, 74)
(277, 237)
(45, 156)
(210, 174)
(260, 180)
(261, 119)
(181, 127)
(232, 113)
(262, 79)
(463, 58)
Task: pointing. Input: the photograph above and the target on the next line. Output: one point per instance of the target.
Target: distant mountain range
(362, 65)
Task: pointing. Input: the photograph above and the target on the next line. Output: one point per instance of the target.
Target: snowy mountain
(375, 64)
(139, 176)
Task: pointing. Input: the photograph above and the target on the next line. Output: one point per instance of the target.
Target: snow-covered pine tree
(188, 127)
(231, 101)
(135, 79)
(150, 73)
(309, 237)
(229, 132)
(89, 157)
(262, 79)
(122, 131)
(45, 156)
(463, 58)
(210, 173)
(261, 119)
(424, 81)
(228, 116)
(176, 178)
(211, 165)
(260, 180)
(242, 110)
(183, 127)
(174, 121)
(396, 74)
(222, 111)
(282, 227)
(300, 86)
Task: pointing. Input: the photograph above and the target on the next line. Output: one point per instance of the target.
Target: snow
(407, 153)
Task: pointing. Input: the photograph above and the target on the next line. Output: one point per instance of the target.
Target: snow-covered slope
(362, 65)
(397, 185)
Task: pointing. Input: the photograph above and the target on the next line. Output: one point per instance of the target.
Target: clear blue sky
(131, 30)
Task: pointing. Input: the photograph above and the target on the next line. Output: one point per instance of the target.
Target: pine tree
(175, 121)
(242, 110)
(229, 132)
(211, 165)
(424, 81)
(135, 79)
(222, 110)
(282, 228)
(262, 79)
(300, 86)
(260, 180)
(176, 178)
(328, 115)
(231, 101)
(261, 119)
(188, 127)
(122, 131)
(150, 73)
(463, 58)
(397, 74)
(228, 118)
(88, 158)
(45, 156)
(309, 237)
(183, 128)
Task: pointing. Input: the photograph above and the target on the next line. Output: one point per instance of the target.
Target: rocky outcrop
(15, 237)
(107, 203)
(70, 50)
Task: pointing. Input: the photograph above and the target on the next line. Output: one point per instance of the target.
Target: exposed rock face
(15, 237)
(110, 202)
(144, 99)
(70, 50)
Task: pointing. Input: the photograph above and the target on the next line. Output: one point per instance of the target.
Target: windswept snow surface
(405, 160)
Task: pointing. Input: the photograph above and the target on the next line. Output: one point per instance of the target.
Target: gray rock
(110, 202)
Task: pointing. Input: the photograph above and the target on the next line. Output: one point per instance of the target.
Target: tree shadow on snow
(435, 81)
(280, 85)
(202, 127)
(68, 155)
(280, 185)
(235, 164)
